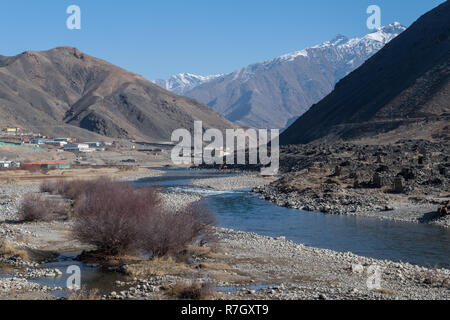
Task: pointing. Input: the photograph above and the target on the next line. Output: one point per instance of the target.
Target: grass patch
(84, 295)
(191, 291)
(8, 249)
(158, 267)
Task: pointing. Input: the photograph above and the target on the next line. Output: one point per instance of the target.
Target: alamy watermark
(73, 22)
(240, 147)
(374, 272)
(73, 282)
(374, 20)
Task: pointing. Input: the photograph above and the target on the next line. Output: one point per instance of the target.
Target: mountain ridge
(65, 88)
(273, 93)
(407, 83)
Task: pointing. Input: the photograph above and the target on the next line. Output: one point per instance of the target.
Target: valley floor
(240, 266)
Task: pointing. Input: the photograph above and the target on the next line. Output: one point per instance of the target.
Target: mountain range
(66, 92)
(404, 87)
(272, 94)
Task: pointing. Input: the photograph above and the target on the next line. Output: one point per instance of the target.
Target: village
(32, 141)
(20, 149)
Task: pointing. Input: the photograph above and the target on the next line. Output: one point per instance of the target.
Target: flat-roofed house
(77, 147)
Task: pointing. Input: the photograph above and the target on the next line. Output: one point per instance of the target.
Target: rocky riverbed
(241, 181)
(239, 266)
(404, 181)
(250, 266)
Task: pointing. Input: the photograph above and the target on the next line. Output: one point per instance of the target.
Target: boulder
(399, 185)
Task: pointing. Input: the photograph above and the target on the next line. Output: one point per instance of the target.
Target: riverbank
(241, 181)
(363, 205)
(239, 265)
(402, 181)
(247, 266)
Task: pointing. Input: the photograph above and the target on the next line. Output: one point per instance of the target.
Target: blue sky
(159, 38)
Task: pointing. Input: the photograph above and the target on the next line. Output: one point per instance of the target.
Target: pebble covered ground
(270, 268)
(246, 181)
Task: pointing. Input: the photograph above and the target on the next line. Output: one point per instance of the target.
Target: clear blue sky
(159, 38)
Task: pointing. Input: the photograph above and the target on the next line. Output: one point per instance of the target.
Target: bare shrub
(8, 249)
(84, 295)
(110, 215)
(120, 219)
(192, 291)
(171, 233)
(36, 207)
(74, 189)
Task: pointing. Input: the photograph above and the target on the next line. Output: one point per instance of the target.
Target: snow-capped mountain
(274, 93)
(183, 82)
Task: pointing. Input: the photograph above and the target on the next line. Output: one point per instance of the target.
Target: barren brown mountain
(66, 92)
(404, 88)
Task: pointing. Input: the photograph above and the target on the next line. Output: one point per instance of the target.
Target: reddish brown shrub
(118, 218)
(110, 215)
(74, 189)
(35, 207)
(170, 233)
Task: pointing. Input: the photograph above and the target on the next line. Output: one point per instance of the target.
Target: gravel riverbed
(262, 267)
(244, 181)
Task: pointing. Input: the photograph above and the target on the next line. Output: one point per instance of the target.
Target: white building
(77, 147)
(56, 143)
(9, 164)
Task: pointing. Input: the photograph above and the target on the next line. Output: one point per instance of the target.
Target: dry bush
(110, 215)
(36, 207)
(8, 249)
(84, 294)
(171, 233)
(74, 189)
(120, 219)
(192, 291)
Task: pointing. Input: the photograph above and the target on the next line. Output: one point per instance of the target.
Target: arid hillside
(64, 91)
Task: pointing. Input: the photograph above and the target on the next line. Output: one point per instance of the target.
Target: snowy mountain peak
(183, 82)
(341, 49)
(339, 39)
(386, 33)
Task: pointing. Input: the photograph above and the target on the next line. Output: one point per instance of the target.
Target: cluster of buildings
(44, 165)
(9, 164)
(11, 131)
(16, 135)
(66, 144)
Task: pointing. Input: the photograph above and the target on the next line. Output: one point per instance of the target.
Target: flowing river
(422, 244)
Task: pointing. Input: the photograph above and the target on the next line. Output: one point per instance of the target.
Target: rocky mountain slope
(405, 85)
(274, 93)
(64, 91)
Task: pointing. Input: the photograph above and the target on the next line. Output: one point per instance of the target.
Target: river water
(421, 244)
